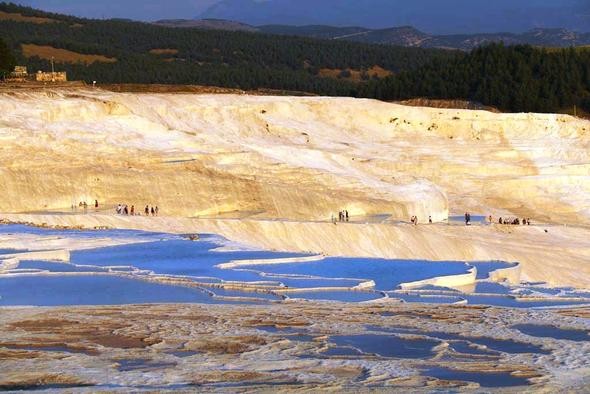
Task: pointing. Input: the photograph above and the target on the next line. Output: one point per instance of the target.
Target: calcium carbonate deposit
(232, 269)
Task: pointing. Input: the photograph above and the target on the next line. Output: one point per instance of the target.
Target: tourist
(147, 210)
(95, 204)
(430, 219)
(528, 221)
(133, 210)
(467, 218)
(157, 210)
(153, 212)
(500, 220)
(490, 219)
(126, 210)
(346, 215)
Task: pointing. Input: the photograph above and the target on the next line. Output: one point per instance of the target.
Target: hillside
(512, 79)
(213, 24)
(434, 16)
(407, 36)
(411, 37)
(147, 53)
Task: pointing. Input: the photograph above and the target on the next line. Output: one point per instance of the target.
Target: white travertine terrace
(282, 165)
(559, 257)
(289, 157)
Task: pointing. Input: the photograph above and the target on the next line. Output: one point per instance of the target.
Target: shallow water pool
(387, 345)
(387, 274)
(543, 331)
(93, 290)
(484, 379)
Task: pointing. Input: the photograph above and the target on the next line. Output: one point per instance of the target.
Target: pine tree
(7, 60)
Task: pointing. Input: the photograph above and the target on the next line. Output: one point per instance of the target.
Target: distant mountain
(409, 36)
(402, 36)
(537, 37)
(212, 24)
(433, 16)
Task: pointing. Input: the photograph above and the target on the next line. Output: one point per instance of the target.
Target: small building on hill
(42, 76)
(21, 74)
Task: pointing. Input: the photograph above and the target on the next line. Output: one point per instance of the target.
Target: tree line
(514, 78)
(7, 59)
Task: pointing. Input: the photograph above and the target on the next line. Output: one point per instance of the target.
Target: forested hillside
(182, 56)
(7, 60)
(517, 78)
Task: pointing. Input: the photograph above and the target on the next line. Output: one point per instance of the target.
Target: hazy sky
(147, 10)
(432, 16)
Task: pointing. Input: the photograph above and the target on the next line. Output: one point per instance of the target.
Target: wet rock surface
(309, 346)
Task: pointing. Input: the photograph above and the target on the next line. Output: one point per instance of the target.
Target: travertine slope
(288, 157)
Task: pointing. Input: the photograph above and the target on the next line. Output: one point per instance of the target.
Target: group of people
(515, 221)
(84, 205)
(126, 210)
(414, 220)
(511, 221)
(467, 219)
(343, 216)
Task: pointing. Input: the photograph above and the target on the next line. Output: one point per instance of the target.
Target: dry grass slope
(63, 55)
(355, 75)
(164, 51)
(21, 18)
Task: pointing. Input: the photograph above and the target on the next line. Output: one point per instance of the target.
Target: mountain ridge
(408, 36)
(433, 16)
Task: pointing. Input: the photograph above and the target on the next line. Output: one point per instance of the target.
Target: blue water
(387, 346)
(140, 364)
(542, 331)
(176, 257)
(495, 379)
(491, 288)
(92, 290)
(343, 296)
(467, 348)
(342, 352)
(56, 267)
(169, 254)
(387, 274)
(10, 251)
(498, 345)
(251, 294)
(22, 229)
(425, 298)
(484, 268)
(512, 302)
